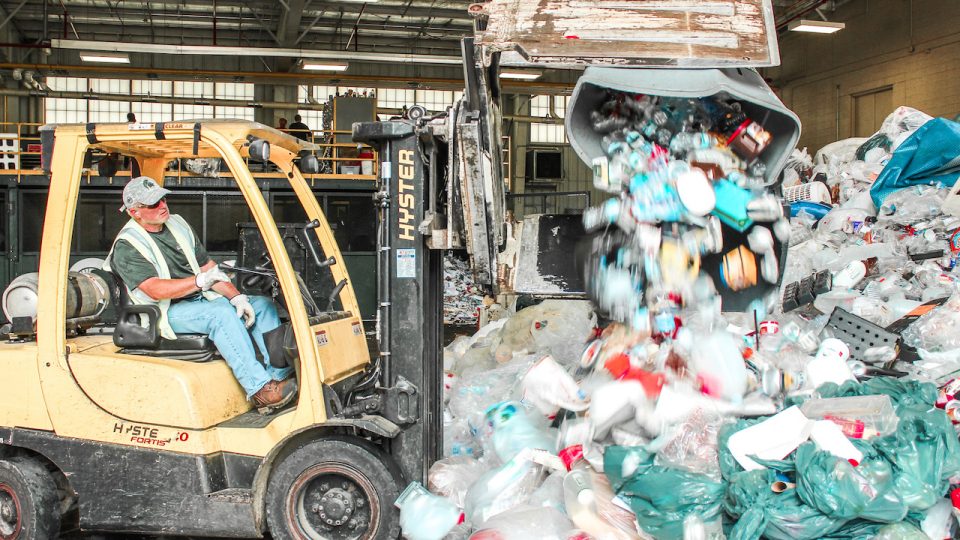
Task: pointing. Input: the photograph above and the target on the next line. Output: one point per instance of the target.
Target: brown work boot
(275, 395)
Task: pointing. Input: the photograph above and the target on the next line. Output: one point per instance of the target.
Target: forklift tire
(29, 507)
(333, 488)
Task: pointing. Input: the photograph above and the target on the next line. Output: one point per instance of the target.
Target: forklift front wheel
(29, 509)
(333, 489)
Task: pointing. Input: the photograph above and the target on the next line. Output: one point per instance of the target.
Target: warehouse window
(152, 88)
(152, 112)
(193, 89)
(147, 111)
(236, 91)
(192, 112)
(107, 111)
(434, 100)
(242, 113)
(311, 117)
(548, 133)
(395, 98)
(66, 110)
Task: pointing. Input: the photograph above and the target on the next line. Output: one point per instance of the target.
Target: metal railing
(567, 202)
(20, 155)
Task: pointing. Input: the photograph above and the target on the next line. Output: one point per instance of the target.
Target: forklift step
(253, 419)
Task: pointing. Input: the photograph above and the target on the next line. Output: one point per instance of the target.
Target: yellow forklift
(119, 430)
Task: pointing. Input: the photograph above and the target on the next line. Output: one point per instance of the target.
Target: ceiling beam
(263, 23)
(290, 23)
(173, 24)
(9, 31)
(341, 79)
(227, 9)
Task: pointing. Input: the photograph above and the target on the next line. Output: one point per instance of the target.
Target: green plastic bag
(924, 453)
(838, 489)
(660, 497)
(757, 509)
(901, 392)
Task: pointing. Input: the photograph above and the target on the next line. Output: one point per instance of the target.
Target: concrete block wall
(911, 47)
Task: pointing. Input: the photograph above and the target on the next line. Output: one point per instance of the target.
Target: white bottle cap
(696, 192)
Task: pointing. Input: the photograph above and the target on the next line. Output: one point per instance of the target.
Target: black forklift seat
(132, 338)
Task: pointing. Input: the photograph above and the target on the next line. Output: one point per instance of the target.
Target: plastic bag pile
(828, 410)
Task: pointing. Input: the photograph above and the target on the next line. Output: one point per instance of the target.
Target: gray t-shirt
(134, 269)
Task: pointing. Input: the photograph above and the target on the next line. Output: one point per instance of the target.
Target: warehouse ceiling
(425, 27)
(386, 27)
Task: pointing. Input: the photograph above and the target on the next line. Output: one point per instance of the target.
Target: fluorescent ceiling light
(324, 66)
(106, 58)
(817, 27)
(521, 75)
(111, 47)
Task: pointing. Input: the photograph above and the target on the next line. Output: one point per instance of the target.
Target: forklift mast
(440, 188)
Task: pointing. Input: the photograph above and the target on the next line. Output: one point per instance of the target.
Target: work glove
(209, 278)
(244, 309)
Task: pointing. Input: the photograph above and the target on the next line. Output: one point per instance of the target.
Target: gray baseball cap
(141, 190)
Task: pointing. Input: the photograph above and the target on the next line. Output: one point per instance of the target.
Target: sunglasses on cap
(155, 205)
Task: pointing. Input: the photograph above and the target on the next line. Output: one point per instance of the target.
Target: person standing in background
(282, 124)
(300, 130)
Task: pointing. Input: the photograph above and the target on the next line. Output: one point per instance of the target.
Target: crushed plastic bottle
(425, 516)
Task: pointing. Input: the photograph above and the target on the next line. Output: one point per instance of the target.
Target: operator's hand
(209, 278)
(244, 309)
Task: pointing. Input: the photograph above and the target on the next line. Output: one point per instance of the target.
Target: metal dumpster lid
(677, 33)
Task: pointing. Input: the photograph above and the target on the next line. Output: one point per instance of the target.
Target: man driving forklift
(161, 261)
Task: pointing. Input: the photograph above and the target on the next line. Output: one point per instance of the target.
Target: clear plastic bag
(936, 331)
(501, 489)
(693, 447)
(459, 440)
(473, 393)
(453, 476)
(524, 523)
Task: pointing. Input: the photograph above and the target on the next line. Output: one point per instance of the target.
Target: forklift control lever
(335, 293)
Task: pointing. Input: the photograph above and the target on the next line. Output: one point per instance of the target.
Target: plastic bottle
(588, 506)
(513, 430)
(684, 142)
(425, 516)
(830, 364)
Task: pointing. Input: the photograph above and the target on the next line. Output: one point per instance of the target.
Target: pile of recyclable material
(828, 411)
(683, 170)
(462, 298)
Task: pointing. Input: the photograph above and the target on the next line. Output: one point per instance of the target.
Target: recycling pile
(461, 296)
(827, 410)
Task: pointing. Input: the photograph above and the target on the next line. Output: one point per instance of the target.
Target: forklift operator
(161, 261)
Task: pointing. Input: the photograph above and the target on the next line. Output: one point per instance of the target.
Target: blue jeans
(218, 319)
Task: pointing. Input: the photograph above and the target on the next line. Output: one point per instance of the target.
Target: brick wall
(911, 47)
